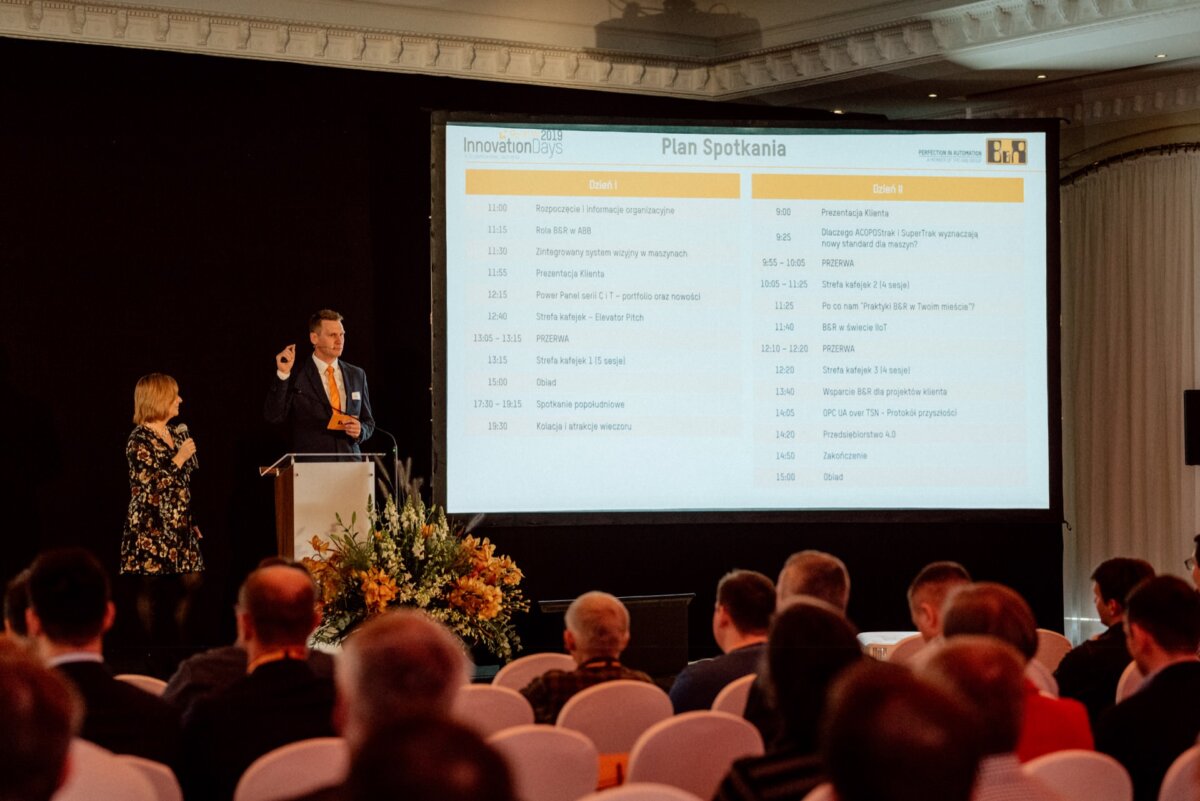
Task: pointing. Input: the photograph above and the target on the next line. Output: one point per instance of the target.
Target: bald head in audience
(928, 592)
(597, 626)
(891, 736)
(40, 715)
(993, 609)
(276, 610)
(816, 574)
(398, 665)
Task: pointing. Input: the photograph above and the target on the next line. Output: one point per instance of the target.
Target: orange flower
(476, 598)
(378, 589)
(319, 545)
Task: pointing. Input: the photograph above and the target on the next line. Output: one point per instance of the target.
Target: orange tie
(335, 401)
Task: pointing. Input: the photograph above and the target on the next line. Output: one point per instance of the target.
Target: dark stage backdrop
(185, 214)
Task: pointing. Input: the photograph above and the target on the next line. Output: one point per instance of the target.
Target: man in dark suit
(68, 615)
(323, 400)
(280, 700)
(1090, 672)
(1149, 730)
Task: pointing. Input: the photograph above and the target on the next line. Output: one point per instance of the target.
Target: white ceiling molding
(958, 40)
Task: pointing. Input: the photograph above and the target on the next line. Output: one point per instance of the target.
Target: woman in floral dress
(160, 544)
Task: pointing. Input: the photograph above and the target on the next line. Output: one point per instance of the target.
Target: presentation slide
(653, 319)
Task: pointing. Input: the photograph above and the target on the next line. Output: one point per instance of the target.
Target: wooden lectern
(312, 490)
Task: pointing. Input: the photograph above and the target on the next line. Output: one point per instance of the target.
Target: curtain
(1131, 250)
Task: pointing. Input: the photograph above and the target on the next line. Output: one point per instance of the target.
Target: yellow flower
(378, 589)
(427, 530)
(476, 598)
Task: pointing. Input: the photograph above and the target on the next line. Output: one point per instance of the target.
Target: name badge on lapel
(355, 396)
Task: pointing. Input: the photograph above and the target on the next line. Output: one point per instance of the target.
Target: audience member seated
(217, 668)
(1148, 730)
(396, 666)
(1049, 724)
(40, 715)
(989, 675)
(69, 612)
(927, 595)
(16, 601)
(815, 574)
(1090, 672)
(597, 631)
(810, 644)
(890, 736)
(428, 760)
(280, 700)
(745, 603)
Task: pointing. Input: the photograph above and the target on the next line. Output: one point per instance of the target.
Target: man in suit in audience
(280, 700)
(1149, 730)
(1048, 723)
(927, 594)
(399, 667)
(988, 674)
(69, 612)
(217, 668)
(597, 631)
(817, 574)
(40, 715)
(890, 736)
(745, 603)
(1090, 671)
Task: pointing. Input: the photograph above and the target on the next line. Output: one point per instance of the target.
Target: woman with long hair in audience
(809, 645)
(161, 544)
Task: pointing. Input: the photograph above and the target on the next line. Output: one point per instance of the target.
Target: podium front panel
(323, 490)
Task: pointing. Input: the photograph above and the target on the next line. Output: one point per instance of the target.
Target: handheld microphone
(183, 432)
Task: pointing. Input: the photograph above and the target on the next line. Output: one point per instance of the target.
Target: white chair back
(519, 672)
(822, 792)
(1079, 775)
(614, 714)
(693, 751)
(150, 684)
(642, 791)
(732, 698)
(1052, 647)
(294, 769)
(96, 773)
(1041, 676)
(1180, 782)
(1130, 682)
(489, 709)
(166, 786)
(903, 651)
(548, 763)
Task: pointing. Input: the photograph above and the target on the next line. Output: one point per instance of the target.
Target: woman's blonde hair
(152, 397)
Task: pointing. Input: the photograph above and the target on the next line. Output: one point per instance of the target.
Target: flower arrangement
(410, 556)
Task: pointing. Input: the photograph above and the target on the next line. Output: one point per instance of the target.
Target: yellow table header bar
(888, 187)
(595, 183)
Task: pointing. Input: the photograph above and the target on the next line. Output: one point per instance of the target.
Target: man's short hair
(433, 759)
(749, 599)
(994, 609)
(1168, 609)
(600, 623)
(16, 601)
(152, 397)
(809, 644)
(890, 736)
(815, 573)
(282, 613)
(989, 674)
(314, 322)
(1116, 578)
(40, 714)
(934, 581)
(401, 664)
(69, 593)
